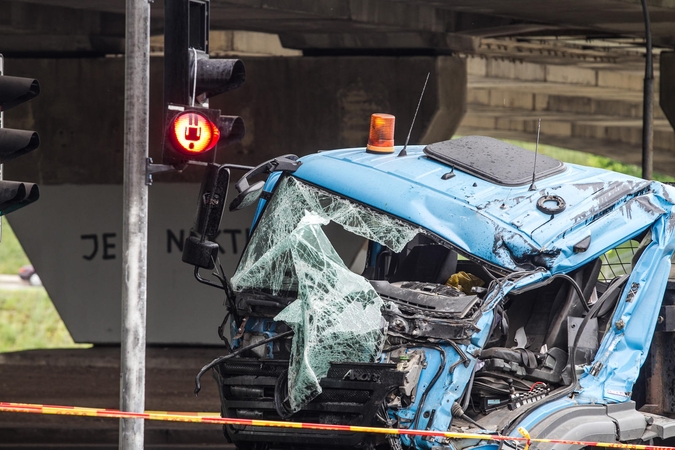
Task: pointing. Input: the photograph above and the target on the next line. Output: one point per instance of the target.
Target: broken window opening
(283, 214)
(619, 260)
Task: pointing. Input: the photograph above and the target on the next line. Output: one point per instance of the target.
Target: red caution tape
(196, 417)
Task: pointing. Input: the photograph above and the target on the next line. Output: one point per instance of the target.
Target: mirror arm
(237, 167)
(205, 281)
(285, 163)
(210, 206)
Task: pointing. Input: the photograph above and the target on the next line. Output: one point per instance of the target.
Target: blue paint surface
(503, 226)
(498, 224)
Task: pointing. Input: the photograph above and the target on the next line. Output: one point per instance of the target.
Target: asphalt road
(13, 282)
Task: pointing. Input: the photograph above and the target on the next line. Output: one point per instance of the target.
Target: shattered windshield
(336, 316)
(266, 265)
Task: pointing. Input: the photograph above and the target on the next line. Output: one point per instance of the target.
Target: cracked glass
(336, 317)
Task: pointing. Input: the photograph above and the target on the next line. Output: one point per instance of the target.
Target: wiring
(215, 362)
(440, 370)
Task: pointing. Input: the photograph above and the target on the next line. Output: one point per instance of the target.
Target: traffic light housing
(193, 133)
(16, 143)
(191, 78)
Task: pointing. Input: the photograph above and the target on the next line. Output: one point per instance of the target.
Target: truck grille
(351, 395)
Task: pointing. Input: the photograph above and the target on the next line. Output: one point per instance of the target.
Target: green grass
(29, 320)
(588, 159)
(12, 256)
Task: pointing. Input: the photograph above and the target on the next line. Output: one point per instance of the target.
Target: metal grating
(618, 261)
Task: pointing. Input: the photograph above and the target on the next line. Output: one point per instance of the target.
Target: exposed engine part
(498, 393)
(428, 310)
(428, 299)
(411, 364)
(394, 440)
(457, 411)
(261, 351)
(422, 325)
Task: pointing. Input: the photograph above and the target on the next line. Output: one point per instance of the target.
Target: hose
(440, 370)
(281, 396)
(215, 362)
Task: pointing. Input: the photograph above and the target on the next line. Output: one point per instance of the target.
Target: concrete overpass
(339, 26)
(316, 71)
(597, 44)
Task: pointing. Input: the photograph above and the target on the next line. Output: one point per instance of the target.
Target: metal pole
(2, 124)
(648, 103)
(135, 235)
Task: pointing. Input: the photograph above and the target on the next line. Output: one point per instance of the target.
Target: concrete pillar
(450, 97)
(667, 85)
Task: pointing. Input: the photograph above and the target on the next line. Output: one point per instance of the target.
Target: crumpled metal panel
(501, 225)
(504, 226)
(624, 347)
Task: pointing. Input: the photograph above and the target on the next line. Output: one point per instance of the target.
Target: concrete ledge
(605, 76)
(571, 75)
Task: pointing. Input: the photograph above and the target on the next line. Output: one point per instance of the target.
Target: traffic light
(191, 134)
(192, 131)
(15, 143)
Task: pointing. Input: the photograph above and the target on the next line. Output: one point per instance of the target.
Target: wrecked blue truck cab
(468, 285)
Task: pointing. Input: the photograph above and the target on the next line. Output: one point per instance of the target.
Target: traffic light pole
(135, 234)
(2, 124)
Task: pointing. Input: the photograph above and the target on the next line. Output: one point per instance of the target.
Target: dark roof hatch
(493, 160)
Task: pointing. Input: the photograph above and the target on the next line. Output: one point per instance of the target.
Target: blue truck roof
(497, 223)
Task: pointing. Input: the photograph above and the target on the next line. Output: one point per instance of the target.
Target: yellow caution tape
(197, 417)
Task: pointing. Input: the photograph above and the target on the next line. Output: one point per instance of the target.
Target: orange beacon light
(381, 137)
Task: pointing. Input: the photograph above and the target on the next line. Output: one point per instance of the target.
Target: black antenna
(536, 151)
(403, 152)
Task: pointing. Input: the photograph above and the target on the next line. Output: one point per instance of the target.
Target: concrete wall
(290, 105)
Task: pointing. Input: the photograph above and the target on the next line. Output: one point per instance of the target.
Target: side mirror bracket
(250, 193)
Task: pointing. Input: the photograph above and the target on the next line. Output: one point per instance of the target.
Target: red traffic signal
(190, 134)
(193, 133)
